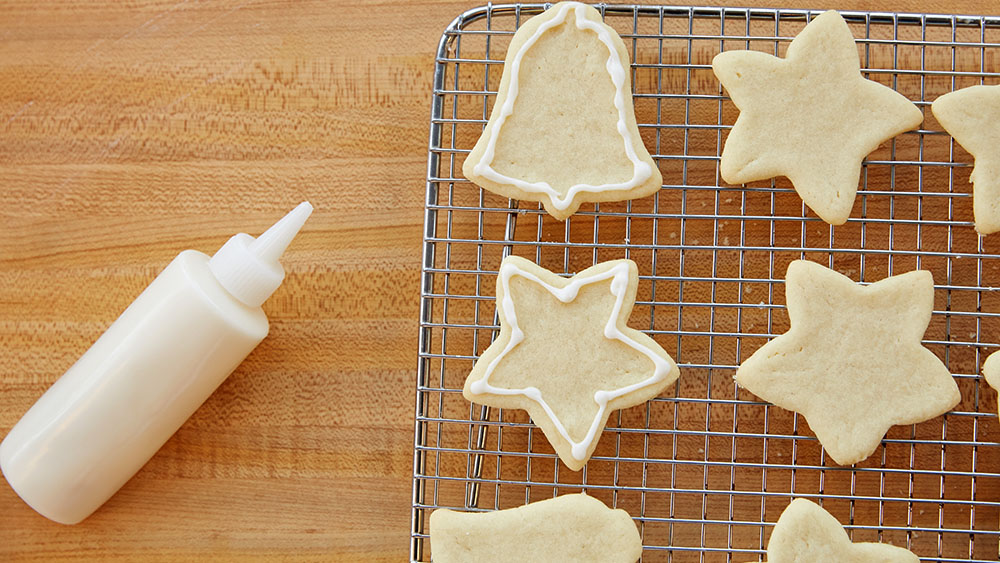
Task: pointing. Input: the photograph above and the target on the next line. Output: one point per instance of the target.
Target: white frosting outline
(641, 171)
(620, 281)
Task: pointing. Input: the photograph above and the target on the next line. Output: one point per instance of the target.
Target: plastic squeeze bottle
(104, 418)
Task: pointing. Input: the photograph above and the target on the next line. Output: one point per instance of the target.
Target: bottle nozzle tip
(272, 243)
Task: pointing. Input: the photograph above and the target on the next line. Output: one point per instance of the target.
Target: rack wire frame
(706, 468)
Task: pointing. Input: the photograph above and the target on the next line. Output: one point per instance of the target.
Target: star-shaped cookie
(807, 533)
(972, 116)
(991, 371)
(563, 129)
(851, 362)
(810, 116)
(565, 355)
(567, 528)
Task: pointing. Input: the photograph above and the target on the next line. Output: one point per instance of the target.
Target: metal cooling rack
(706, 469)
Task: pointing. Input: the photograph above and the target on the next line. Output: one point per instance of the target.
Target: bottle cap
(248, 267)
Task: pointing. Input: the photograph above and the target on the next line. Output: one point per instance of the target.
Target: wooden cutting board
(131, 132)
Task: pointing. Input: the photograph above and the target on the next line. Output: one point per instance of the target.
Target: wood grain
(131, 131)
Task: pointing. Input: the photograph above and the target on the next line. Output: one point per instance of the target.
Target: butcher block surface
(132, 131)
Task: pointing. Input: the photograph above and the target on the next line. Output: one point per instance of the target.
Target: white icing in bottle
(641, 171)
(112, 410)
(619, 275)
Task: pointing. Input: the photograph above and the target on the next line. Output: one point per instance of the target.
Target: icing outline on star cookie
(641, 171)
(619, 274)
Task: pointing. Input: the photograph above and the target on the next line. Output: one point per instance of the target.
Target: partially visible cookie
(565, 355)
(563, 129)
(567, 528)
(991, 371)
(810, 116)
(805, 533)
(852, 362)
(972, 116)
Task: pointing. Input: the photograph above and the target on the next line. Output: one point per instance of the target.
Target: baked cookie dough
(567, 528)
(852, 362)
(972, 116)
(565, 355)
(805, 533)
(810, 116)
(563, 129)
(991, 370)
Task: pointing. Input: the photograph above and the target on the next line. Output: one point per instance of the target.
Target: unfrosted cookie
(805, 533)
(991, 370)
(810, 116)
(567, 528)
(565, 355)
(563, 129)
(852, 362)
(972, 116)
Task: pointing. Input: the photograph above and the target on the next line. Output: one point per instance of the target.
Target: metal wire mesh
(706, 469)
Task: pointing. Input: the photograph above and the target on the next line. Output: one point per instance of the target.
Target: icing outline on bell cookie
(641, 171)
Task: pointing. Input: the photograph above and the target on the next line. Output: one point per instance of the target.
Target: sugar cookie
(810, 116)
(565, 355)
(563, 129)
(805, 533)
(972, 116)
(852, 361)
(567, 528)
(991, 371)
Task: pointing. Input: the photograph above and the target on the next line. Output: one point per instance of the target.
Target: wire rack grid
(706, 468)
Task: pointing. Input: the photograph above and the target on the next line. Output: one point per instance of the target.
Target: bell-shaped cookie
(563, 129)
